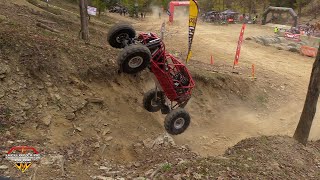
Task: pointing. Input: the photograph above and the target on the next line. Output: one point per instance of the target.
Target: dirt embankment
(65, 98)
(263, 158)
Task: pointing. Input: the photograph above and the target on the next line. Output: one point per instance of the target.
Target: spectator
(276, 30)
(254, 20)
(241, 18)
(246, 19)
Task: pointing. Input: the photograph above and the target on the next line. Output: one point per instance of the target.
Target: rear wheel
(152, 100)
(119, 33)
(134, 58)
(177, 121)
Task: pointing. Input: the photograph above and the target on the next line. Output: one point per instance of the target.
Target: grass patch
(166, 167)
(45, 6)
(5, 114)
(14, 24)
(262, 99)
(34, 2)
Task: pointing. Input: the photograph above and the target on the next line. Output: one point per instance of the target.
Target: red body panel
(166, 69)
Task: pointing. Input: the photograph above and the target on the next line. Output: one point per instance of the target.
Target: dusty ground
(65, 98)
(285, 72)
(255, 158)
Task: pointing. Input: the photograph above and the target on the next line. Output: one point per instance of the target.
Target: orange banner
(236, 59)
(308, 51)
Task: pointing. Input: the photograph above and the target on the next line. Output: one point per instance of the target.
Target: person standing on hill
(276, 30)
(254, 20)
(241, 18)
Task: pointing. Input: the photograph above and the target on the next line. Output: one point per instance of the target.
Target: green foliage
(110, 3)
(44, 6)
(250, 6)
(73, 1)
(262, 99)
(165, 4)
(242, 6)
(137, 6)
(34, 2)
(282, 3)
(166, 167)
(101, 5)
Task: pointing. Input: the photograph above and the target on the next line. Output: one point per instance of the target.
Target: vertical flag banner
(236, 58)
(193, 16)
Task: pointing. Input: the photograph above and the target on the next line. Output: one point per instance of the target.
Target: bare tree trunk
(316, 14)
(303, 129)
(84, 33)
(222, 5)
(250, 9)
(299, 10)
(264, 5)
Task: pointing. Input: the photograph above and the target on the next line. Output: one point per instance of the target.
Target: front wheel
(134, 58)
(177, 121)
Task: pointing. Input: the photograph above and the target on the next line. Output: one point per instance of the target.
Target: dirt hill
(65, 98)
(256, 158)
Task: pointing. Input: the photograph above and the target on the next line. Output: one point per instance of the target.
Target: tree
(247, 6)
(84, 32)
(303, 129)
(299, 4)
(265, 3)
(314, 7)
(281, 3)
(100, 5)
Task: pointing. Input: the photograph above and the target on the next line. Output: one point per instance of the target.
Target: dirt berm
(65, 98)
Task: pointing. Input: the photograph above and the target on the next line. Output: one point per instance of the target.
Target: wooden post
(162, 30)
(309, 110)
(84, 32)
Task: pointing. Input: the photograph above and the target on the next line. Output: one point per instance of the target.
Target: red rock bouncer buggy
(173, 80)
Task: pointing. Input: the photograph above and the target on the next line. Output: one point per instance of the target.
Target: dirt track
(65, 97)
(287, 72)
(218, 123)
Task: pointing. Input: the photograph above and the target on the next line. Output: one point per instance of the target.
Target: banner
(236, 58)
(308, 51)
(92, 10)
(193, 16)
(168, 12)
(291, 36)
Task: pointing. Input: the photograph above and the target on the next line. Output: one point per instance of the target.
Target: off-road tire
(172, 117)
(117, 30)
(129, 53)
(148, 100)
